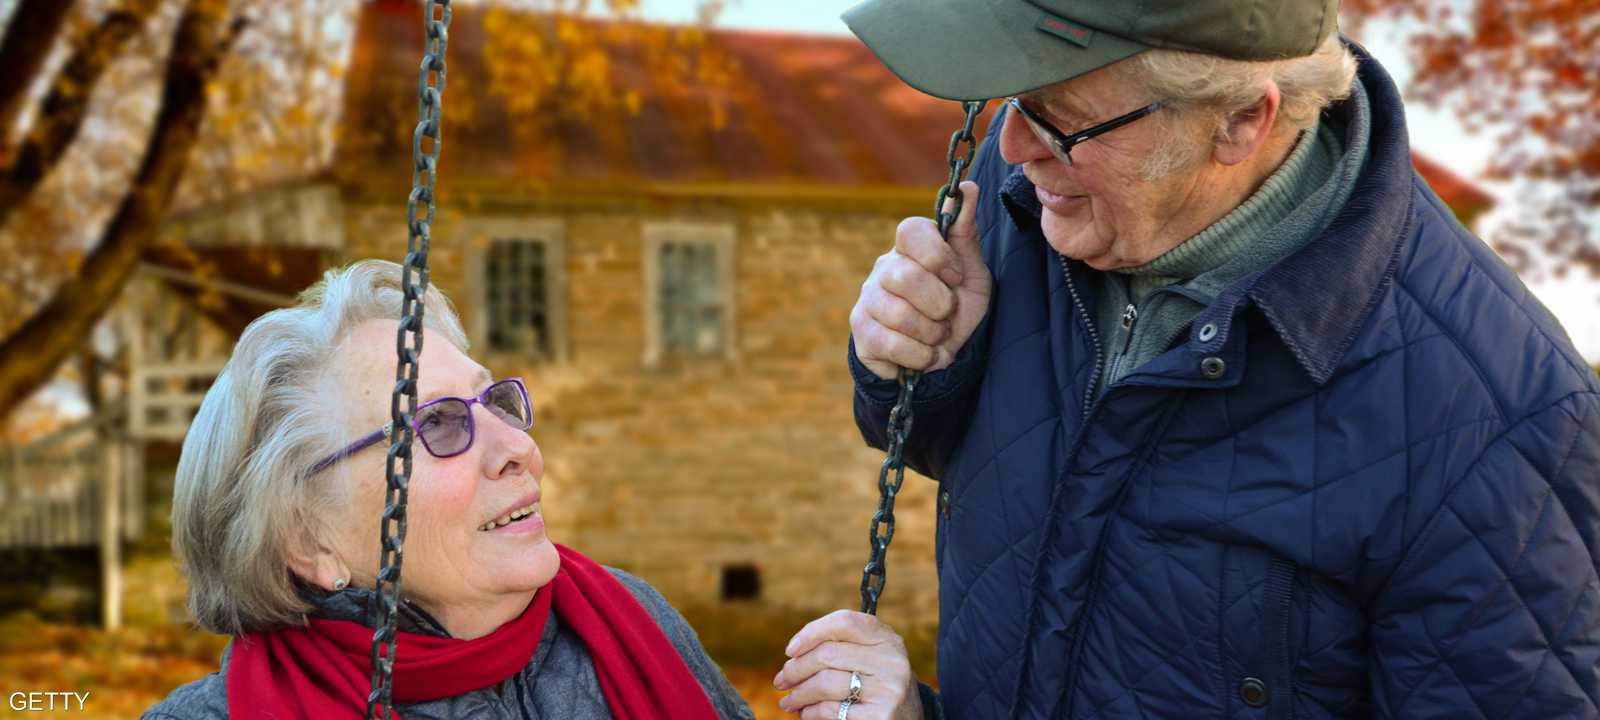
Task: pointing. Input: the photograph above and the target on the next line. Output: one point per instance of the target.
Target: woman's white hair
(241, 500)
(1207, 90)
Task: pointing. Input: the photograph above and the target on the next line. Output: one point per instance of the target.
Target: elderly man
(1230, 417)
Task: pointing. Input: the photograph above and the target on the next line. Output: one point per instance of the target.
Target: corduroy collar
(1318, 298)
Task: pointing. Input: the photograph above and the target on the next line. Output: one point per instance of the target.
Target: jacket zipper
(1130, 315)
(1130, 320)
(1094, 338)
(1075, 631)
(1090, 403)
(1115, 371)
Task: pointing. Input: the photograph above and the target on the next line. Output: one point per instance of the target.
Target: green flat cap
(983, 49)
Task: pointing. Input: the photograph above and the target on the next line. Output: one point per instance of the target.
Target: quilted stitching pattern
(1438, 498)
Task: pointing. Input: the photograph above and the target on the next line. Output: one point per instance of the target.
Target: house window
(517, 281)
(691, 299)
(520, 293)
(689, 290)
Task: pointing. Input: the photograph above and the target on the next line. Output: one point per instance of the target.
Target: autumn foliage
(1528, 70)
(557, 63)
(165, 106)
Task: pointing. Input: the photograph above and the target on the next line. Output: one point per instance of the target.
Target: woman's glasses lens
(445, 427)
(509, 402)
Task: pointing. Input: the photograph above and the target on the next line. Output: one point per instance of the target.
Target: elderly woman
(1230, 416)
(276, 517)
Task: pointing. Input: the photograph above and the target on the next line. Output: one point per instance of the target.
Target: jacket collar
(362, 605)
(1316, 317)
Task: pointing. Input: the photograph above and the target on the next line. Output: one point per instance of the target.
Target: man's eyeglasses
(445, 426)
(1060, 143)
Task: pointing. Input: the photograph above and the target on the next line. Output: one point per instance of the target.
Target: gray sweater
(1143, 310)
(559, 683)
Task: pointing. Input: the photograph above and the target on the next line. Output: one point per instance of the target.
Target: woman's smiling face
(459, 558)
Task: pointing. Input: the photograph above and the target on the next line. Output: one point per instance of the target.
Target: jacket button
(1212, 367)
(944, 504)
(1253, 691)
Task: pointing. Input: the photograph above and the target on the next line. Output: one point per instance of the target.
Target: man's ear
(1247, 129)
(320, 567)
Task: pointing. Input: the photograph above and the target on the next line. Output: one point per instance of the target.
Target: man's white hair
(1202, 92)
(242, 502)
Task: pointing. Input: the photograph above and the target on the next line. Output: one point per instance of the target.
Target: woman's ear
(1247, 129)
(320, 567)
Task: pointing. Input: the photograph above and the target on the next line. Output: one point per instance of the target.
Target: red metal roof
(801, 109)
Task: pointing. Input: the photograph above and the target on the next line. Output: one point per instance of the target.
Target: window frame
(720, 236)
(481, 234)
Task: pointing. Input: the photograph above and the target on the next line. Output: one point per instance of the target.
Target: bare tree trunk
(64, 108)
(26, 44)
(31, 355)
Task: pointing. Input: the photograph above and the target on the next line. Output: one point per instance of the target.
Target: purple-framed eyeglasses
(445, 425)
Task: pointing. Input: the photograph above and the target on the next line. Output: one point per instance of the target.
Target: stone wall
(678, 470)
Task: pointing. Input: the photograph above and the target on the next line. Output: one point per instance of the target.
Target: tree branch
(65, 106)
(23, 50)
(32, 354)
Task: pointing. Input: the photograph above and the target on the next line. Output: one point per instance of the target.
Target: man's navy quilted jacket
(1374, 492)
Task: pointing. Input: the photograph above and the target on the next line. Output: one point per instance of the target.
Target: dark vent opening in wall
(741, 582)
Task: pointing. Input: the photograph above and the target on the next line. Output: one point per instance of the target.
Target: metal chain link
(875, 574)
(408, 348)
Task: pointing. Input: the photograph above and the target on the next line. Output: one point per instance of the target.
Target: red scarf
(323, 670)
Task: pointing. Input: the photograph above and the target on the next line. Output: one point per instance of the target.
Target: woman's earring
(340, 584)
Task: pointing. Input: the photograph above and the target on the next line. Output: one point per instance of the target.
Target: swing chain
(875, 574)
(408, 346)
(951, 190)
